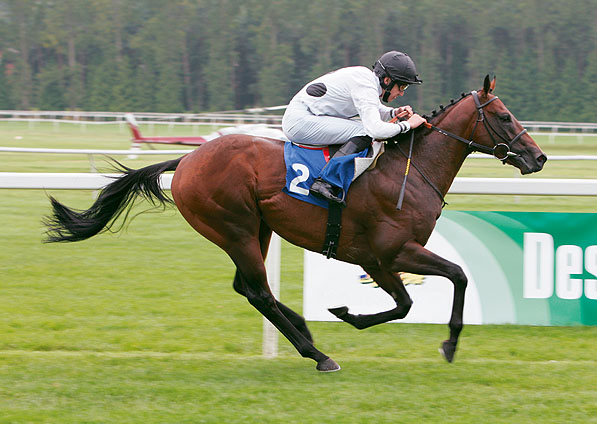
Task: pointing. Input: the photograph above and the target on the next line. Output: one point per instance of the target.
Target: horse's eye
(505, 117)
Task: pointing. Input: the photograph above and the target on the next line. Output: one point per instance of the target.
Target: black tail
(67, 224)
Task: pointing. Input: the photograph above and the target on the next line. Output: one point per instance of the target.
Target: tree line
(201, 55)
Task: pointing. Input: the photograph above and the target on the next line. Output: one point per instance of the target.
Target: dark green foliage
(182, 55)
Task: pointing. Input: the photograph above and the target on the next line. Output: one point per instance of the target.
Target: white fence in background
(134, 152)
(94, 151)
(247, 116)
(494, 186)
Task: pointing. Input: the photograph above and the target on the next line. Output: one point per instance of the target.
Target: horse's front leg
(391, 284)
(416, 259)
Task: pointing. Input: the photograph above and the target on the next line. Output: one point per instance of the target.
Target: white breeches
(301, 126)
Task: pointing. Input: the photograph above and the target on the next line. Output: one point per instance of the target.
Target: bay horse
(230, 191)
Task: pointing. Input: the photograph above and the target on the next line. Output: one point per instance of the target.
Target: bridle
(501, 149)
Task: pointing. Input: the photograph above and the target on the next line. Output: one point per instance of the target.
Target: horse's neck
(440, 157)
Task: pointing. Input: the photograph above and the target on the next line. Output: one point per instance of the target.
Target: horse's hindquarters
(216, 187)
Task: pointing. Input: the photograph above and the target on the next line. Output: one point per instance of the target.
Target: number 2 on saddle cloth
(303, 165)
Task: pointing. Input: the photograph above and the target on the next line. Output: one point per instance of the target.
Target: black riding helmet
(399, 67)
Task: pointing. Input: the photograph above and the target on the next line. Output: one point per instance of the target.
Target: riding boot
(323, 189)
(354, 145)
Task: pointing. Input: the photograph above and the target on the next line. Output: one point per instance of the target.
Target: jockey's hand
(403, 112)
(416, 120)
(401, 116)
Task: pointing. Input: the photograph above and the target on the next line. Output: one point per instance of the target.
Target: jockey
(321, 112)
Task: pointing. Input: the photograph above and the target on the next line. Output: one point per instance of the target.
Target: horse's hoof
(328, 365)
(448, 349)
(339, 312)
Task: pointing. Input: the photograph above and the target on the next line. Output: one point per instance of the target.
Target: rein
(410, 162)
(427, 180)
(500, 151)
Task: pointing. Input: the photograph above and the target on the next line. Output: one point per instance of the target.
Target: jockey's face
(396, 91)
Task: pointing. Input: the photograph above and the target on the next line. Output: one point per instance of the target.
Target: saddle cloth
(304, 163)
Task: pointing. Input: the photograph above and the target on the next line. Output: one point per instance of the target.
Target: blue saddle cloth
(304, 164)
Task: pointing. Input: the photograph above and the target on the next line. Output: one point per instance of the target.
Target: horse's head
(498, 129)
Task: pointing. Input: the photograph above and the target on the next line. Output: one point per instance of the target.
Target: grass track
(210, 388)
(144, 326)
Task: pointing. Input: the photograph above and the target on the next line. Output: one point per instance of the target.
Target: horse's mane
(430, 118)
(435, 113)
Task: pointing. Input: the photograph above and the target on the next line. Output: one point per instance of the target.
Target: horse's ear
(486, 85)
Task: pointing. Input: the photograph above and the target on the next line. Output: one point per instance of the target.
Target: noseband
(501, 149)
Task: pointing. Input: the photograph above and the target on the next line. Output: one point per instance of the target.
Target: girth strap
(332, 234)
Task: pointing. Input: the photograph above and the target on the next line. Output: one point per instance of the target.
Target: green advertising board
(523, 268)
(541, 267)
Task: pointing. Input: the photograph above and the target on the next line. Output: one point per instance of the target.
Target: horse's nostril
(542, 159)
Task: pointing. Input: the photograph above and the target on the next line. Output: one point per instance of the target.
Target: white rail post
(272, 265)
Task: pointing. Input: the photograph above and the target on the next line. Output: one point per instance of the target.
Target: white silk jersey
(349, 92)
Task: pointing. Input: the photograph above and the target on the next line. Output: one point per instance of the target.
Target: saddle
(305, 162)
(330, 150)
(303, 165)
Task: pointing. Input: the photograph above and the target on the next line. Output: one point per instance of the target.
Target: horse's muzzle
(541, 159)
(529, 166)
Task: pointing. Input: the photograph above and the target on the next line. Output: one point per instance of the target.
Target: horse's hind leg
(247, 256)
(416, 259)
(297, 320)
(391, 284)
(265, 235)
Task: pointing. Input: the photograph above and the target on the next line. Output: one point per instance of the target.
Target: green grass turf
(143, 326)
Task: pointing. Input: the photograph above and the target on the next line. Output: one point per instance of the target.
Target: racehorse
(230, 191)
